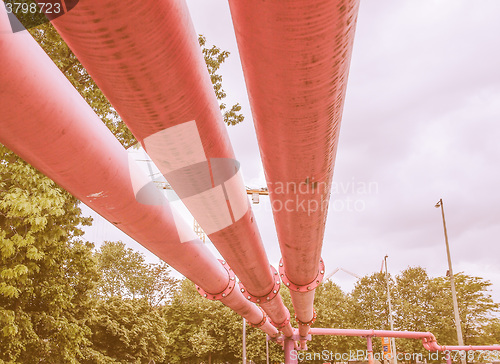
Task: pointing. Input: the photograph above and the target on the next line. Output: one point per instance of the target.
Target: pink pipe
(296, 59)
(365, 333)
(428, 339)
(145, 57)
(303, 304)
(47, 123)
(290, 352)
(369, 349)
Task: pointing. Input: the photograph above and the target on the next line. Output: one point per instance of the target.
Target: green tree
(126, 331)
(475, 306)
(413, 301)
(335, 309)
(125, 273)
(214, 57)
(492, 332)
(46, 273)
(204, 330)
(370, 304)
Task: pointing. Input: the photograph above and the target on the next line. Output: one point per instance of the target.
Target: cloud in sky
(421, 121)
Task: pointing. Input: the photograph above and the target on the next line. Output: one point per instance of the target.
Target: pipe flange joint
(266, 298)
(229, 288)
(262, 322)
(308, 323)
(283, 324)
(306, 287)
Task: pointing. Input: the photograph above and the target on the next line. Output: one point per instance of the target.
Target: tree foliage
(214, 57)
(126, 274)
(46, 272)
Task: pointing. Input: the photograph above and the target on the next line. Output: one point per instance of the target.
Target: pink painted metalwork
(268, 297)
(428, 339)
(289, 349)
(229, 288)
(369, 349)
(296, 59)
(145, 57)
(48, 124)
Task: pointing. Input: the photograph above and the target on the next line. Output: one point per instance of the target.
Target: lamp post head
(438, 204)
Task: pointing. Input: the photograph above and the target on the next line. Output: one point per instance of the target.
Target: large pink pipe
(47, 123)
(295, 58)
(145, 57)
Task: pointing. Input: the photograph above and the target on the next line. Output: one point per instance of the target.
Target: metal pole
(244, 341)
(452, 281)
(288, 347)
(267, 351)
(369, 349)
(393, 340)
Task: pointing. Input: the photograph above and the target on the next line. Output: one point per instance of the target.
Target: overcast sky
(421, 122)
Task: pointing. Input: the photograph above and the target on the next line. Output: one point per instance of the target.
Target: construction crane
(342, 269)
(164, 185)
(256, 193)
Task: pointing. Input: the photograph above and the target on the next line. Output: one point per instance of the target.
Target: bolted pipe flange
(283, 324)
(262, 322)
(229, 288)
(308, 323)
(262, 299)
(306, 287)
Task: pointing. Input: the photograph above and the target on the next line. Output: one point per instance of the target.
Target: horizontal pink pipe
(145, 57)
(428, 339)
(47, 123)
(375, 333)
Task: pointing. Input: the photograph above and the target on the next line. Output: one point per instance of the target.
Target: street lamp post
(391, 321)
(452, 280)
